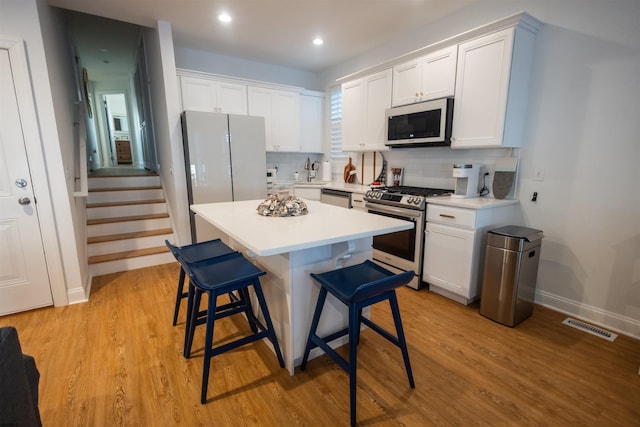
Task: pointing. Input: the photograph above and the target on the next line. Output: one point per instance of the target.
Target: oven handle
(395, 211)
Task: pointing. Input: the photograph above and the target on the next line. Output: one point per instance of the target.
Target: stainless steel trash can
(510, 273)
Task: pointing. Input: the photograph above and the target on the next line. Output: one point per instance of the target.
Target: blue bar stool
(223, 275)
(194, 253)
(358, 286)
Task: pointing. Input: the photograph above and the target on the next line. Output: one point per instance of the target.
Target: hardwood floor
(116, 361)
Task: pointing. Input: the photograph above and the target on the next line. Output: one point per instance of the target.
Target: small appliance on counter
(466, 176)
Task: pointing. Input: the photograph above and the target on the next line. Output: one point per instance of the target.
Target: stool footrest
(237, 343)
(381, 331)
(319, 342)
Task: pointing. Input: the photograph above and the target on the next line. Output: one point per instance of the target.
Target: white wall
(42, 31)
(582, 130)
(197, 60)
(166, 118)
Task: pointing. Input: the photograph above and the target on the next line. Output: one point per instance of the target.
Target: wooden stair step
(99, 190)
(134, 202)
(125, 175)
(125, 236)
(127, 254)
(126, 218)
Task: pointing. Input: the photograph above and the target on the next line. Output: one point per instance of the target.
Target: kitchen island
(289, 249)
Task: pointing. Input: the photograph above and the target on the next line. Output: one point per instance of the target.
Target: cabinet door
(438, 73)
(482, 84)
(198, 94)
(352, 115)
(448, 257)
(406, 83)
(286, 121)
(281, 112)
(261, 105)
(232, 98)
(377, 100)
(311, 130)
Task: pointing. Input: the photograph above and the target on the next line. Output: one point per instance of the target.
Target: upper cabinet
(428, 77)
(215, 96)
(491, 92)
(311, 121)
(364, 102)
(281, 112)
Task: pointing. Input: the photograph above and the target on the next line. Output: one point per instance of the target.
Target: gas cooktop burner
(418, 191)
(404, 196)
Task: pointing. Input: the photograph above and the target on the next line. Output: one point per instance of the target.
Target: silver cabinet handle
(24, 200)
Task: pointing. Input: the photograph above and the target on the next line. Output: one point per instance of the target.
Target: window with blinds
(336, 124)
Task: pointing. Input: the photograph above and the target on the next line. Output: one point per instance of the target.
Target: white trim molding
(621, 324)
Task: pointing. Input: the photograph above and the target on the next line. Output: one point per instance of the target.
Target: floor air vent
(594, 330)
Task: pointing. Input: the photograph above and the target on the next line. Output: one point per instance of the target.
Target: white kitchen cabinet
(454, 247)
(491, 91)
(430, 76)
(357, 201)
(311, 120)
(364, 102)
(201, 94)
(281, 112)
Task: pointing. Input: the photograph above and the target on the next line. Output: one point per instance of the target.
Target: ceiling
(273, 31)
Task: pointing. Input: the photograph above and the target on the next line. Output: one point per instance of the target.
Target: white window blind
(336, 124)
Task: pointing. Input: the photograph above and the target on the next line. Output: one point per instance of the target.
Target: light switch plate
(538, 174)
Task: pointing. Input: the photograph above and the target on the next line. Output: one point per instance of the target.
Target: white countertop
(352, 188)
(324, 224)
(471, 203)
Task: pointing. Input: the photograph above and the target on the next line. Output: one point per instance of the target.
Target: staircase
(127, 223)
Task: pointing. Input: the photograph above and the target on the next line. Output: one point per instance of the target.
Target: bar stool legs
(358, 287)
(227, 274)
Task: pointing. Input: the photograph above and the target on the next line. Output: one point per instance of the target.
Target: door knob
(24, 200)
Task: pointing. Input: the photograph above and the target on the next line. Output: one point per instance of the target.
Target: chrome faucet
(311, 174)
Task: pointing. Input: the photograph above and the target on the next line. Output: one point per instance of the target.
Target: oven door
(402, 249)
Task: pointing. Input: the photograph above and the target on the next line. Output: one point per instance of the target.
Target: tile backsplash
(423, 167)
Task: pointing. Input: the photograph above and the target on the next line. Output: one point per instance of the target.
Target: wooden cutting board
(349, 172)
(370, 167)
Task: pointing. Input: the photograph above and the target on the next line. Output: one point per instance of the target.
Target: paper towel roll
(326, 171)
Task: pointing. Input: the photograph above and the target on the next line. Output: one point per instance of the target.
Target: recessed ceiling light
(224, 17)
(318, 41)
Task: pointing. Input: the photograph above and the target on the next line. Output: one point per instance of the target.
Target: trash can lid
(529, 234)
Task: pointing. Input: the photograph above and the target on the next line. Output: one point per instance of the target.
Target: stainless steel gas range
(403, 250)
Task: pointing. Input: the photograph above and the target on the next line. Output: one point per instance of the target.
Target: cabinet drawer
(453, 216)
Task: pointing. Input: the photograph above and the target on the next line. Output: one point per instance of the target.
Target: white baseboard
(615, 322)
(77, 295)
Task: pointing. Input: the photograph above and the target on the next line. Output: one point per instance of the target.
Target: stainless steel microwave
(425, 124)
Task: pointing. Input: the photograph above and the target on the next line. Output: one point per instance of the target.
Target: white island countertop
(324, 224)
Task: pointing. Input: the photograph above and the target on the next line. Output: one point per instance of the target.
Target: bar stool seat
(358, 286)
(223, 275)
(194, 253)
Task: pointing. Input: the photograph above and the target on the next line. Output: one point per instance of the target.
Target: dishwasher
(336, 197)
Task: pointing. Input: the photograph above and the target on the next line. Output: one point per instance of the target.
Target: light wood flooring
(116, 361)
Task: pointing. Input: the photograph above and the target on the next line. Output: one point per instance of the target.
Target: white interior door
(24, 280)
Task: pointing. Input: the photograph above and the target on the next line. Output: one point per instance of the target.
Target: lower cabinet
(309, 193)
(454, 248)
(357, 201)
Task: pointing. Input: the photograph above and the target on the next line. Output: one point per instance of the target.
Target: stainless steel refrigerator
(225, 160)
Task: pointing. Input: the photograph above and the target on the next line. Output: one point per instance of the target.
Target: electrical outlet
(538, 174)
